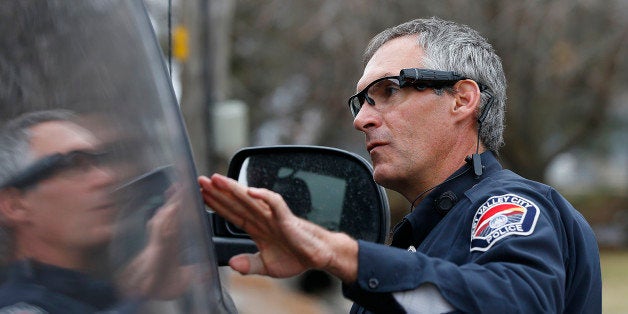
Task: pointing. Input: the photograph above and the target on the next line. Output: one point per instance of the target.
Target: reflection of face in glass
(122, 95)
(69, 211)
(123, 144)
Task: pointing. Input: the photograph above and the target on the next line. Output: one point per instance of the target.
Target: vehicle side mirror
(327, 186)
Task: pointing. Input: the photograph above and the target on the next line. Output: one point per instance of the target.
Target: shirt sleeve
(521, 273)
(422, 300)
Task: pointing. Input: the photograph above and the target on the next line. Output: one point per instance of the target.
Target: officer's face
(410, 138)
(71, 210)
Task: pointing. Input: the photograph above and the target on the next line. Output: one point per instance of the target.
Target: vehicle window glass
(103, 164)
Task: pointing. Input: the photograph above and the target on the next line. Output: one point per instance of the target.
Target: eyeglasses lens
(379, 92)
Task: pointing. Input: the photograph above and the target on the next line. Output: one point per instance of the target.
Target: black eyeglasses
(385, 90)
(77, 161)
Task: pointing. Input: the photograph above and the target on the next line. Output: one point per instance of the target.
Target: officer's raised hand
(288, 245)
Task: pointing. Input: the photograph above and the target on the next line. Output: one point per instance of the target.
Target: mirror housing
(330, 187)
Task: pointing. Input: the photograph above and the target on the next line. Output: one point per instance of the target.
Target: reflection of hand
(163, 227)
(156, 270)
(288, 245)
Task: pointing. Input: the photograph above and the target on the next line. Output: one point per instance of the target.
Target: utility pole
(205, 75)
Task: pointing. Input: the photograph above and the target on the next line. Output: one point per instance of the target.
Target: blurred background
(268, 72)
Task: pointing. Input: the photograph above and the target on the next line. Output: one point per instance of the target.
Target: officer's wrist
(344, 263)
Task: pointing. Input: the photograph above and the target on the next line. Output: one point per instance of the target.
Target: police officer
(479, 238)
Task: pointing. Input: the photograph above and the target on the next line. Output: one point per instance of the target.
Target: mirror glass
(333, 190)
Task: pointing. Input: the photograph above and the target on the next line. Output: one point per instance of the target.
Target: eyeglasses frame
(412, 77)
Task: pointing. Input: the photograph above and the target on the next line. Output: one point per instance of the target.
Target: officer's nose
(367, 118)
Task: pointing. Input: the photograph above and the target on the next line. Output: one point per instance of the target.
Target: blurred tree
(564, 62)
(206, 26)
(296, 62)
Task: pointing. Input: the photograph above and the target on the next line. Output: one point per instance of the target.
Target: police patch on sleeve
(502, 216)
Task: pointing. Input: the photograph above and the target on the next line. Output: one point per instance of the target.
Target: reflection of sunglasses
(76, 161)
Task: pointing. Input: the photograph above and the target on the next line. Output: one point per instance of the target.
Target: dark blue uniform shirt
(495, 244)
(33, 287)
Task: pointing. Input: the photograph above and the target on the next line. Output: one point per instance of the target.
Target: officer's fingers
(230, 200)
(247, 264)
(227, 184)
(241, 193)
(204, 182)
(218, 202)
(274, 200)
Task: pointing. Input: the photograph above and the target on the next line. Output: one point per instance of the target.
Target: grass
(614, 281)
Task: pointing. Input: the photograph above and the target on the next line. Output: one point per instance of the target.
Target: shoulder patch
(502, 216)
(22, 308)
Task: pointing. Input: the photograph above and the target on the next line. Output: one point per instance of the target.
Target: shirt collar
(440, 200)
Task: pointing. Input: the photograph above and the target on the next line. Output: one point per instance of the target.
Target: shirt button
(373, 283)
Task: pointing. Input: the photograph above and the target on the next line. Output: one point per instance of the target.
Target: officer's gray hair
(449, 46)
(15, 156)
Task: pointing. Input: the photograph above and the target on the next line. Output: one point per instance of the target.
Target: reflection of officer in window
(56, 211)
(57, 215)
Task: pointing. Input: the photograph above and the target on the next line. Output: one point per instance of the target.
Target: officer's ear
(467, 100)
(12, 209)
